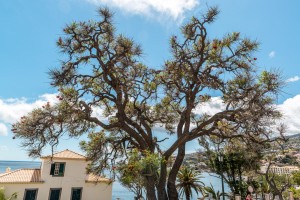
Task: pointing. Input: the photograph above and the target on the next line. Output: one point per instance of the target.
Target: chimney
(7, 170)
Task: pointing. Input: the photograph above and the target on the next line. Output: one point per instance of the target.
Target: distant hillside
(293, 136)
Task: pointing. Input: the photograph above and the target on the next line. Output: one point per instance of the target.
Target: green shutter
(52, 169)
(76, 194)
(61, 169)
(55, 194)
(30, 194)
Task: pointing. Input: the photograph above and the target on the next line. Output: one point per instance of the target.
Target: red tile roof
(22, 176)
(67, 154)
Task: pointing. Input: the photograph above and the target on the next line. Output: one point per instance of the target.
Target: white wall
(90, 191)
(74, 176)
(19, 188)
(75, 172)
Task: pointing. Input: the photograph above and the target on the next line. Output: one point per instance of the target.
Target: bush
(2, 195)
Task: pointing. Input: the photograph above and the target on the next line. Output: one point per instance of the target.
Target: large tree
(103, 70)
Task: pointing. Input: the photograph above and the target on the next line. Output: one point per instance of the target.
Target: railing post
(291, 195)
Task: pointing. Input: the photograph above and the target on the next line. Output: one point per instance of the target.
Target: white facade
(74, 177)
(283, 170)
(279, 169)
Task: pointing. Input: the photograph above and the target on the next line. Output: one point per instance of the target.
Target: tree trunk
(240, 182)
(188, 196)
(161, 188)
(274, 187)
(150, 188)
(172, 191)
(232, 168)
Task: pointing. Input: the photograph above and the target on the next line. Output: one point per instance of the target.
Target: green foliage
(288, 159)
(238, 159)
(144, 163)
(296, 192)
(278, 184)
(3, 197)
(280, 179)
(296, 177)
(134, 171)
(189, 180)
(215, 194)
(264, 185)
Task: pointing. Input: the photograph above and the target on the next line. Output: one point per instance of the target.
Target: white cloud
(212, 107)
(13, 109)
(98, 112)
(3, 129)
(290, 109)
(293, 79)
(272, 54)
(173, 9)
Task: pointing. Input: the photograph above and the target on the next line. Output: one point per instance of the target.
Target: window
(76, 194)
(30, 194)
(57, 169)
(54, 194)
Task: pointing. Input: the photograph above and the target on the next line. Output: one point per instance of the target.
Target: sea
(118, 192)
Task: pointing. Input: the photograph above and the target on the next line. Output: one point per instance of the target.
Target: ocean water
(118, 190)
(13, 165)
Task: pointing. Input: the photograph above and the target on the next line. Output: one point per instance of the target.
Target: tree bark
(274, 187)
(150, 188)
(232, 168)
(240, 182)
(172, 191)
(188, 196)
(161, 187)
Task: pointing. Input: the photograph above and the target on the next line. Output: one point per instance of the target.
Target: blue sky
(29, 30)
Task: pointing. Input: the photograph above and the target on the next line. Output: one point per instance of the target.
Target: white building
(285, 169)
(61, 177)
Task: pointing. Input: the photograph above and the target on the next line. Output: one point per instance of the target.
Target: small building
(279, 169)
(283, 169)
(62, 176)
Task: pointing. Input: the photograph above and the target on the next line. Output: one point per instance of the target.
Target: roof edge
(37, 182)
(62, 158)
(55, 154)
(100, 181)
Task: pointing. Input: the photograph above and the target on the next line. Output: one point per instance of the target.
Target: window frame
(49, 196)
(56, 169)
(54, 166)
(31, 189)
(74, 188)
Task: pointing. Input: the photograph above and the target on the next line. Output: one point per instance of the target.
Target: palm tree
(214, 194)
(189, 180)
